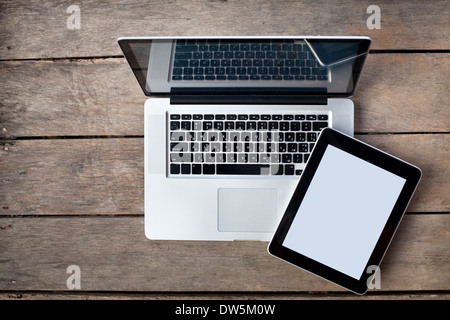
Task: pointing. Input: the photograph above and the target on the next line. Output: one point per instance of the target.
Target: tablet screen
(343, 212)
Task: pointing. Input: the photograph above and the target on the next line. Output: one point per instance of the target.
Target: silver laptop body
(230, 123)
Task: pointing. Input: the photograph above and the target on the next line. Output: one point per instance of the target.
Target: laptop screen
(319, 64)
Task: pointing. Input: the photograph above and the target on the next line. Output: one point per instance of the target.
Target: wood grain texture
(83, 295)
(102, 97)
(38, 29)
(114, 255)
(87, 176)
(62, 98)
(106, 176)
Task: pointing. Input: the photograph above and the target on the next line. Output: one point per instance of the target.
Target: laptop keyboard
(243, 60)
(241, 144)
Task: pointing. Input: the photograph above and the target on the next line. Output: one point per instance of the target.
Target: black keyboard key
(174, 117)
(180, 63)
(306, 126)
(262, 125)
(295, 126)
(229, 125)
(190, 48)
(209, 168)
(311, 136)
(298, 158)
(305, 71)
(284, 126)
(298, 172)
(319, 125)
(289, 169)
(323, 117)
(207, 125)
(195, 63)
(311, 117)
(319, 71)
(185, 168)
(277, 117)
(292, 147)
(300, 137)
(174, 125)
(240, 125)
(177, 71)
(220, 71)
(251, 125)
(303, 147)
(186, 125)
(273, 125)
(196, 168)
(218, 125)
(209, 71)
(286, 158)
(174, 168)
(243, 169)
(289, 137)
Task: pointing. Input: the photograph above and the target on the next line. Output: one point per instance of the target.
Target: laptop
(230, 123)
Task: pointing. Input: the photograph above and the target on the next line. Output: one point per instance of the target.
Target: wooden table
(72, 149)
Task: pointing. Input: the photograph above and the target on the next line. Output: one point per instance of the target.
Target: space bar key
(245, 169)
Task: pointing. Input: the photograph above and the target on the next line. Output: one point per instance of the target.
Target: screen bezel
(364, 152)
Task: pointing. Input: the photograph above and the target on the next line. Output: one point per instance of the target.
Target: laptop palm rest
(247, 210)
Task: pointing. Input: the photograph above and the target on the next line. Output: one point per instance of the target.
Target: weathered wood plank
(114, 255)
(106, 176)
(36, 29)
(397, 93)
(74, 295)
(431, 153)
(93, 97)
(87, 176)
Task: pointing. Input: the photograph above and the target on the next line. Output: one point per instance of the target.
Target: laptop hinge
(244, 95)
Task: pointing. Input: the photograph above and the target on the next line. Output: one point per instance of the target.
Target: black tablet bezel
(365, 152)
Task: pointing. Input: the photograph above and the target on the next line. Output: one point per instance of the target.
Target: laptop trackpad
(247, 210)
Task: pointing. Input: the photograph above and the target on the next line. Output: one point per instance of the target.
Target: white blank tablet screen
(343, 212)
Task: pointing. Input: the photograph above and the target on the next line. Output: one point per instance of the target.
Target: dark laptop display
(330, 64)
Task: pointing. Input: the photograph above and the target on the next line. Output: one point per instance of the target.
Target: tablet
(344, 211)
